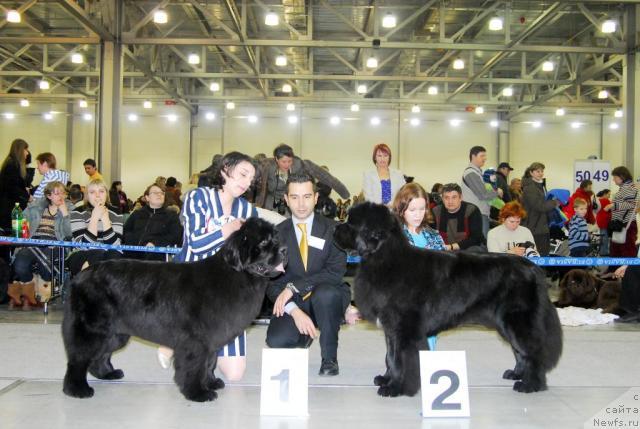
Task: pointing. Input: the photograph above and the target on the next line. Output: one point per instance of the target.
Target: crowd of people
(483, 212)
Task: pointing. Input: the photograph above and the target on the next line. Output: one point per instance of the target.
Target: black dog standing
(194, 308)
(416, 293)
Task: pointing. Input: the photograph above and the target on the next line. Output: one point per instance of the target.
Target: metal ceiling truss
(326, 43)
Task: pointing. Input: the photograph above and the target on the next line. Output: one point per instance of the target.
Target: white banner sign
(444, 384)
(596, 170)
(284, 389)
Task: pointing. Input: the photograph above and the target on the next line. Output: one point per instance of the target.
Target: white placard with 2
(284, 387)
(444, 384)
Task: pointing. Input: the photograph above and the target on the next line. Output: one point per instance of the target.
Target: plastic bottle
(16, 221)
(25, 229)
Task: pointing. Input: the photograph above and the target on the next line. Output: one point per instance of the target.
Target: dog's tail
(553, 341)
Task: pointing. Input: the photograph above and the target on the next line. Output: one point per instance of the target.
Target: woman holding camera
(510, 236)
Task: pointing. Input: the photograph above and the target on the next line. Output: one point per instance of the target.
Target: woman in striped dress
(211, 214)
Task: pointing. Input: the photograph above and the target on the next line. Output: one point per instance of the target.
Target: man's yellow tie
(304, 247)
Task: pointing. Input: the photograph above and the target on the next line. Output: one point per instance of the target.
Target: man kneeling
(311, 292)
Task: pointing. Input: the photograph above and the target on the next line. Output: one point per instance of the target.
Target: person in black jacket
(13, 185)
(152, 225)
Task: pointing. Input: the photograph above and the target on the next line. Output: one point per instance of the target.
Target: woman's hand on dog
(231, 227)
(281, 301)
(619, 273)
(304, 323)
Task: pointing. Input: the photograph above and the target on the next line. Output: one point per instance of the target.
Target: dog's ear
(563, 281)
(368, 241)
(236, 250)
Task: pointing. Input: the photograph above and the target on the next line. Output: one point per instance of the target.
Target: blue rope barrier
(558, 261)
(73, 244)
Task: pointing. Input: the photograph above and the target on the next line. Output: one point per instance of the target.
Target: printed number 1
(438, 402)
(283, 378)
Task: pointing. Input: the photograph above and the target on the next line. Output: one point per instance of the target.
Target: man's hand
(304, 323)
(500, 192)
(281, 301)
(517, 250)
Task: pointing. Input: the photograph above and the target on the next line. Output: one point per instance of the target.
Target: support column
(68, 152)
(108, 152)
(630, 99)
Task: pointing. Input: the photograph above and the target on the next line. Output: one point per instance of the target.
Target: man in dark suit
(311, 292)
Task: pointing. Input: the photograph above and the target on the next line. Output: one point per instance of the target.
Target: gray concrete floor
(598, 365)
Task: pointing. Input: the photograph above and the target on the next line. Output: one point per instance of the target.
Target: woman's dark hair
(227, 164)
(115, 184)
(603, 193)
(623, 173)
(437, 187)
(16, 156)
(585, 184)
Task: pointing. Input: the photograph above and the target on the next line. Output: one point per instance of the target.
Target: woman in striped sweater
(623, 208)
(95, 222)
(211, 214)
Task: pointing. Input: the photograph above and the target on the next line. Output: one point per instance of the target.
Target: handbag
(620, 237)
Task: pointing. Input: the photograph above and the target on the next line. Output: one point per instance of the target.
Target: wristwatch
(292, 288)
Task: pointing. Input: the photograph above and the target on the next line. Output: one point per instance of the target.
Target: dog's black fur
(416, 293)
(580, 288)
(194, 308)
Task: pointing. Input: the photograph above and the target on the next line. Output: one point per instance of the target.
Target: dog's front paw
(522, 387)
(511, 375)
(389, 391)
(381, 380)
(215, 384)
(202, 396)
(116, 374)
(78, 391)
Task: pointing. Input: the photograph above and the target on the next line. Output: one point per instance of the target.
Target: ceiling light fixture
(507, 92)
(193, 59)
(147, 104)
(454, 122)
(160, 17)
(355, 107)
(495, 24)
(271, 19)
(231, 105)
(83, 104)
(87, 116)
(9, 115)
(458, 64)
(77, 58)
(287, 88)
(252, 119)
(334, 120)
(433, 90)
(13, 16)
(494, 123)
(209, 116)
(603, 93)
(609, 26)
(372, 62)
(281, 60)
(614, 126)
(479, 110)
(24, 102)
(214, 86)
(560, 111)
(293, 119)
(48, 116)
(415, 109)
(375, 121)
(548, 66)
(618, 113)
(132, 117)
(389, 20)
(536, 124)
(576, 125)
(43, 84)
(362, 89)
(291, 107)
(414, 122)
(172, 117)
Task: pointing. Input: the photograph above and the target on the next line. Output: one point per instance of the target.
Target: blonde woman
(95, 222)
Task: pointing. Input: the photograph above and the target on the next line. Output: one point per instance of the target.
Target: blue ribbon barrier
(558, 261)
(74, 244)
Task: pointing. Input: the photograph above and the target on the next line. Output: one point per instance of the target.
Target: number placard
(284, 389)
(596, 170)
(445, 388)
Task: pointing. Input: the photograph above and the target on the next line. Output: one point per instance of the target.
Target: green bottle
(16, 221)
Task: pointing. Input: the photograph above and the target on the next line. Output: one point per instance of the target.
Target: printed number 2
(283, 378)
(438, 402)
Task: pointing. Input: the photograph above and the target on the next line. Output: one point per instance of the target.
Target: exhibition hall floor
(599, 364)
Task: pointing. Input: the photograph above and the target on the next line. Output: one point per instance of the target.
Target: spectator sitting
(76, 196)
(586, 193)
(510, 236)
(95, 222)
(458, 222)
(578, 231)
(152, 225)
(381, 184)
(48, 219)
(118, 198)
(172, 193)
(46, 164)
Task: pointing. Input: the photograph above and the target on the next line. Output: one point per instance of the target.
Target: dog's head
(368, 227)
(579, 283)
(256, 249)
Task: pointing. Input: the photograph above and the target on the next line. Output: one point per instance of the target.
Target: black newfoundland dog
(416, 293)
(580, 288)
(194, 308)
